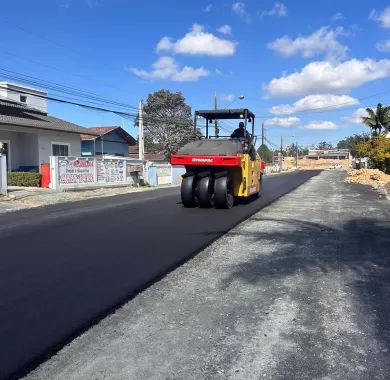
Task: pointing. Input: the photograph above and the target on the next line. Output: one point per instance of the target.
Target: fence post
(53, 172)
(95, 165)
(124, 171)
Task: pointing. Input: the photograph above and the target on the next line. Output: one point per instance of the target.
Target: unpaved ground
(322, 163)
(299, 291)
(373, 177)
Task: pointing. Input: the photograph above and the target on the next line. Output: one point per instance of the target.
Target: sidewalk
(300, 290)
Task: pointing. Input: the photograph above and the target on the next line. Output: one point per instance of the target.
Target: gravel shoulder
(299, 291)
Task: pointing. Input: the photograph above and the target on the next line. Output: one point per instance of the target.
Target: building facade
(114, 141)
(29, 135)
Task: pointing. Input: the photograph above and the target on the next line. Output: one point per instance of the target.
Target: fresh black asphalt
(64, 267)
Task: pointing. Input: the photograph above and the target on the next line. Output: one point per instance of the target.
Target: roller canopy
(225, 114)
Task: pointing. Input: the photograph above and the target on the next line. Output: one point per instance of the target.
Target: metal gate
(164, 175)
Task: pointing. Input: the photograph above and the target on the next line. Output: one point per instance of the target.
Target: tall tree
(265, 154)
(302, 151)
(378, 119)
(168, 122)
(351, 143)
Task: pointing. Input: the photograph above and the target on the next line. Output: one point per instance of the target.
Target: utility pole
(216, 121)
(141, 148)
(281, 152)
(296, 162)
(262, 133)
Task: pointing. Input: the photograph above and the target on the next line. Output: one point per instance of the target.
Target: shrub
(24, 179)
(378, 150)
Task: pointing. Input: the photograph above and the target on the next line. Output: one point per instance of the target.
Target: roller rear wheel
(223, 196)
(188, 191)
(205, 192)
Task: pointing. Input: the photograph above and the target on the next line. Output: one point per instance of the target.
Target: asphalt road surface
(301, 290)
(64, 267)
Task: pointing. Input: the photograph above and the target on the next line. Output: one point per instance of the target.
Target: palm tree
(377, 120)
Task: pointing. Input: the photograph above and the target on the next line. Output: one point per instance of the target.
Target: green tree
(168, 122)
(265, 153)
(304, 151)
(301, 150)
(323, 145)
(378, 119)
(351, 143)
(378, 150)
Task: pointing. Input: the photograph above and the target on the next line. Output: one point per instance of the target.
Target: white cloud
(279, 10)
(383, 46)
(197, 41)
(239, 9)
(337, 17)
(323, 40)
(324, 77)
(320, 125)
(208, 8)
(383, 18)
(355, 118)
(225, 29)
(166, 68)
(284, 122)
(314, 102)
(227, 97)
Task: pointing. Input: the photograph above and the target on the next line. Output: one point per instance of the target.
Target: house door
(5, 150)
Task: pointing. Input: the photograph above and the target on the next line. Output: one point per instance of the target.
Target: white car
(335, 166)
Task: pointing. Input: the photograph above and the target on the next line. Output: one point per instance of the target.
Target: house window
(23, 98)
(60, 149)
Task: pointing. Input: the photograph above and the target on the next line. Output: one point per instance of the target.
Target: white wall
(14, 91)
(45, 140)
(31, 147)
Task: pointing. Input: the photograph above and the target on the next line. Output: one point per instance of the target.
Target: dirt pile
(373, 177)
(308, 164)
(368, 177)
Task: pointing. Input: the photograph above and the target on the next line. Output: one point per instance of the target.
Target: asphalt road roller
(220, 170)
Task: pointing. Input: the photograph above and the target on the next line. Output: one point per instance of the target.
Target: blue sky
(305, 68)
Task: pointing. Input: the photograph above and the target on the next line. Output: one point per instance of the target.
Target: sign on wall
(112, 171)
(75, 171)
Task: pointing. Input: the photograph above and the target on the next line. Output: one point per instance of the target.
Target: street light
(297, 152)
(281, 152)
(241, 97)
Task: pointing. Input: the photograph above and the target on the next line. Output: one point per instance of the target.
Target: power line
(30, 80)
(87, 77)
(127, 115)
